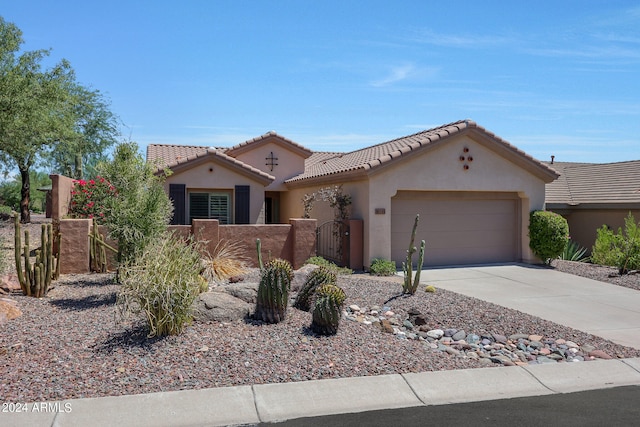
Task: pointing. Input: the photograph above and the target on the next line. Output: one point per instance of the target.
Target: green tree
(141, 210)
(95, 131)
(36, 107)
(10, 191)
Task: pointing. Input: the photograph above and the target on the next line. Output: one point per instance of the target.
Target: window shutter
(177, 193)
(242, 201)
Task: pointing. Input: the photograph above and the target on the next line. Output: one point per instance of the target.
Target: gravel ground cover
(72, 345)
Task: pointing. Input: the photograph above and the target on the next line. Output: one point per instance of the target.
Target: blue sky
(551, 77)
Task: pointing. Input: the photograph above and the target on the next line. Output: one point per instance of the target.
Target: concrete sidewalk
(608, 311)
(601, 309)
(273, 402)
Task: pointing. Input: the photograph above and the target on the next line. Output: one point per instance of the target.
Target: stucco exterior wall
(288, 165)
(584, 223)
(441, 169)
(211, 176)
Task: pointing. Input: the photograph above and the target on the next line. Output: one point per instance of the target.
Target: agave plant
(319, 276)
(574, 252)
(327, 310)
(273, 291)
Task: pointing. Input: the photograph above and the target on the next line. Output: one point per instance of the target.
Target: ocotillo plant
(318, 277)
(410, 284)
(327, 310)
(273, 291)
(35, 280)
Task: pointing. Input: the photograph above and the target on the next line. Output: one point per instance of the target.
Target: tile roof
(239, 148)
(165, 155)
(595, 183)
(378, 155)
(175, 157)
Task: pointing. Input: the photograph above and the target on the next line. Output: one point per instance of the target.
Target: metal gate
(332, 242)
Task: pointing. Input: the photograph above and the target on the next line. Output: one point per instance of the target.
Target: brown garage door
(459, 228)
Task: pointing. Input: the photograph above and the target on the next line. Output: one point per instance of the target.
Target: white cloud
(404, 72)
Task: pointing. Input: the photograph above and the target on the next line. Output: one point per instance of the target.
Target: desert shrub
(382, 267)
(142, 209)
(574, 252)
(5, 213)
(621, 249)
(162, 283)
(227, 260)
(321, 262)
(89, 198)
(548, 234)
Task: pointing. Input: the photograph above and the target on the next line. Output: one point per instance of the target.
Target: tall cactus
(327, 309)
(273, 291)
(410, 284)
(318, 277)
(35, 280)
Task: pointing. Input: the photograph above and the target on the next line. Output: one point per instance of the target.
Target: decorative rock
(452, 351)
(247, 292)
(435, 333)
(599, 354)
(535, 337)
(9, 283)
(450, 332)
(472, 338)
(386, 326)
(354, 308)
(571, 344)
(516, 337)
(587, 348)
(220, 307)
(407, 325)
(8, 310)
(499, 338)
(458, 336)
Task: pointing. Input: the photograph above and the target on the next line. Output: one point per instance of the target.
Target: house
(590, 195)
(472, 189)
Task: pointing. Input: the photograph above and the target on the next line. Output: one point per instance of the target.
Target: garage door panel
(456, 231)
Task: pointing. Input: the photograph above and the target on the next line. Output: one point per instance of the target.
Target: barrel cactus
(319, 276)
(273, 291)
(327, 309)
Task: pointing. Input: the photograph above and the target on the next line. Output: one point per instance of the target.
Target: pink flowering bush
(89, 198)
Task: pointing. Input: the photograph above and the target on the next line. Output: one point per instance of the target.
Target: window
(210, 206)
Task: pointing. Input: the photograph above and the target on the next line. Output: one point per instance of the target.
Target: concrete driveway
(602, 309)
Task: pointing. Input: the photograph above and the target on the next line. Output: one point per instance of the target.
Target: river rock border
(489, 349)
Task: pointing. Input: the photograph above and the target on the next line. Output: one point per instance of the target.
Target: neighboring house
(472, 189)
(590, 195)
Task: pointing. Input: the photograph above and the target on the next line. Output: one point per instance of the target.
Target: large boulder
(220, 307)
(247, 292)
(9, 283)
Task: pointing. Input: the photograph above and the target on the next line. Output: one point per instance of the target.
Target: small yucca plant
(320, 276)
(227, 260)
(273, 291)
(327, 310)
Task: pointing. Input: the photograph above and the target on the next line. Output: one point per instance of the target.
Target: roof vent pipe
(552, 157)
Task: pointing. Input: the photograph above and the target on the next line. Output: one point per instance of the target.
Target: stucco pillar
(303, 240)
(74, 246)
(60, 196)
